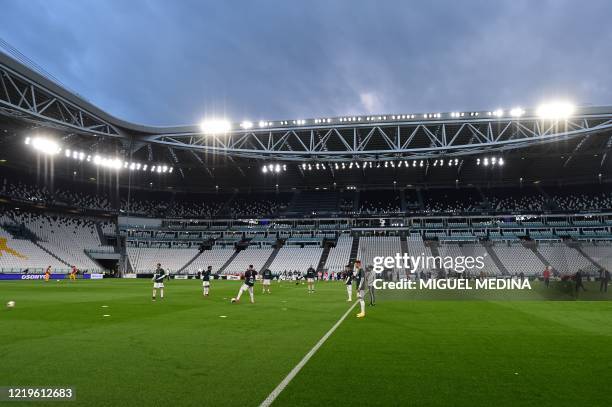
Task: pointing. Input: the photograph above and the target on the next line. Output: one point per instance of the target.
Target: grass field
(181, 351)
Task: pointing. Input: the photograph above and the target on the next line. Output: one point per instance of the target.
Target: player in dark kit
(206, 281)
(578, 278)
(604, 279)
(359, 276)
(348, 281)
(249, 283)
(310, 278)
(267, 279)
(158, 282)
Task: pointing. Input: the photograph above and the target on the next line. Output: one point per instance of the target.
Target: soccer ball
(233, 299)
(10, 304)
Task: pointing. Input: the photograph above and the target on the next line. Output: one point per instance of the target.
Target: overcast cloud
(164, 62)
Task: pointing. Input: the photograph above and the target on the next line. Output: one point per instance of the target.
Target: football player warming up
(206, 281)
(158, 282)
(249, 283)
(267, 279)
(310, 278)
(359, 276)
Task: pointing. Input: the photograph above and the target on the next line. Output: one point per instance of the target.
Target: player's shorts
(205, 283)
(310, 280)
(158, 285)
(361, 294)
(245, 287)
(266, 281)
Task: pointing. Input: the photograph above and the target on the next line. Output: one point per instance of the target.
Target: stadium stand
(564, 259)
(600, 252)
(516, 258)
(68, 238)
(145, 259)
(380, 201)
(215, 257)
(296, 259)
(256, 257)
(339, 255)
(372, 246)
(18, 255)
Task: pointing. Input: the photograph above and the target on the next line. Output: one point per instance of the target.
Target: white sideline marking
(270, 399)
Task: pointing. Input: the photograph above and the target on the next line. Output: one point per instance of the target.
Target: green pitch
(190, 350)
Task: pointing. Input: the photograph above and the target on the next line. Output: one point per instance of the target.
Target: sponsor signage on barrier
(42, 276)
(180, 277)
(30, 276)
(231, 277)
(129, 275)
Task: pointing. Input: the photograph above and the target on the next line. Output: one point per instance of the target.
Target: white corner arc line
(272, 396)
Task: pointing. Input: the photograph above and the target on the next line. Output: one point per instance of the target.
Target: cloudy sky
(164, 62)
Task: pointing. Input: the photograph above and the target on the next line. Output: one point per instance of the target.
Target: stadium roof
(569, 142)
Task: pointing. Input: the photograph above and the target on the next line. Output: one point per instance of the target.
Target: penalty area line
(272, 396)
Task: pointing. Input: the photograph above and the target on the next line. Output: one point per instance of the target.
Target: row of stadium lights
(50, 147)
(492, 161)
(549, 111)
(441, 162)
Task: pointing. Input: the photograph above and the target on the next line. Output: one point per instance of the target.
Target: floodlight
(215, 126)
(517, 112)
(246, 124)
(555, 110)
(27, 140)
(45, 145)
(67, 153)
(498, 113)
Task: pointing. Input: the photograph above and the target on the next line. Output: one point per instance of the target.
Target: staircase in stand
(404, 248)
(103, 240)
(354, 250)
(532, 246)
(189, 262)
(227, 263)
(500, 266)
(576, 245)
(326, 248)
(52, 254)
(272, 257)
